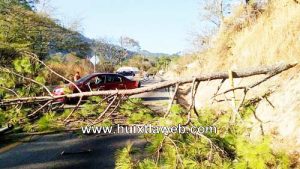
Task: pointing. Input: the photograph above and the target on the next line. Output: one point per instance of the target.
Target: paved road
(88, 152)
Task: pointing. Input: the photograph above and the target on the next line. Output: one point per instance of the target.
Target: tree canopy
(21, 28)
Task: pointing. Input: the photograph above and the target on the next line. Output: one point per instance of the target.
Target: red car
(97, 81)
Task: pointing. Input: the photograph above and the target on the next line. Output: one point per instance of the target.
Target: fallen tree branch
(97, 121)
(117, 106)
(178, 158)
(10, 90)
(107, 108)
(192, 105)
(75, 108)
(36, 111)
(6, 70)
(171, 101)
(218, 89)
(274, 69)
(269, 75)
(159, 149)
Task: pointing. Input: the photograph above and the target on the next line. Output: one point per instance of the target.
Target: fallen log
(273, 69)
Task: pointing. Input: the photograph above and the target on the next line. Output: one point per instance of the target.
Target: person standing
(76, 76)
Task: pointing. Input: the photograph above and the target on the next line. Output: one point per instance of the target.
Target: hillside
(151, 54)
(22, 28)
(251, 37)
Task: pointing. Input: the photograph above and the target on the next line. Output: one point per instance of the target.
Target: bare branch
(76, 107)
(194, 99)
(177, 151)
(192, 105)
(36, 111)
(12, 91)
(218, 89)
(115, 108)
(235, 111)
(159, 148)
(171, 101)
(212, 144)
(269, 75)
(107, 108)
(29, 79)
(112, 111)
(57, 74)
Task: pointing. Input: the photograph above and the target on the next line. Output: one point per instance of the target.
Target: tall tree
(213, 11)
(109, 52)
(129, 43)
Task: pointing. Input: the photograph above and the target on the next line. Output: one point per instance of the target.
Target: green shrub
(48, 122)
(123, 158)
(230, 148)
(2, 118)
(147, 164)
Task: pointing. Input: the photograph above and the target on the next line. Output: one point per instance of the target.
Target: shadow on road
(154, 98)
(87, 152)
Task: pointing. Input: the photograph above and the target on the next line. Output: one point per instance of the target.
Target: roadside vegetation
(230, 147)
(151, 65)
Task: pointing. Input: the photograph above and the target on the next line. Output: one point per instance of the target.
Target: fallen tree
(113, 100)
(263, 70)
(115, 97)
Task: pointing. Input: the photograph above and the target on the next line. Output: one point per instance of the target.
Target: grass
(252, 37)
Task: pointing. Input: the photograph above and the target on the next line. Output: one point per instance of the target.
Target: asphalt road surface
(47, 151)
(68, 150)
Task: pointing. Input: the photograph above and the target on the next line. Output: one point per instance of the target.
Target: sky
(158, 25)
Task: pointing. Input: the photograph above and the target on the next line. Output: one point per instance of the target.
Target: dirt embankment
(277, 115)
(253, 37)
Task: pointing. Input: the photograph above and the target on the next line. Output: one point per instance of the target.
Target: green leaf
(40, 79)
